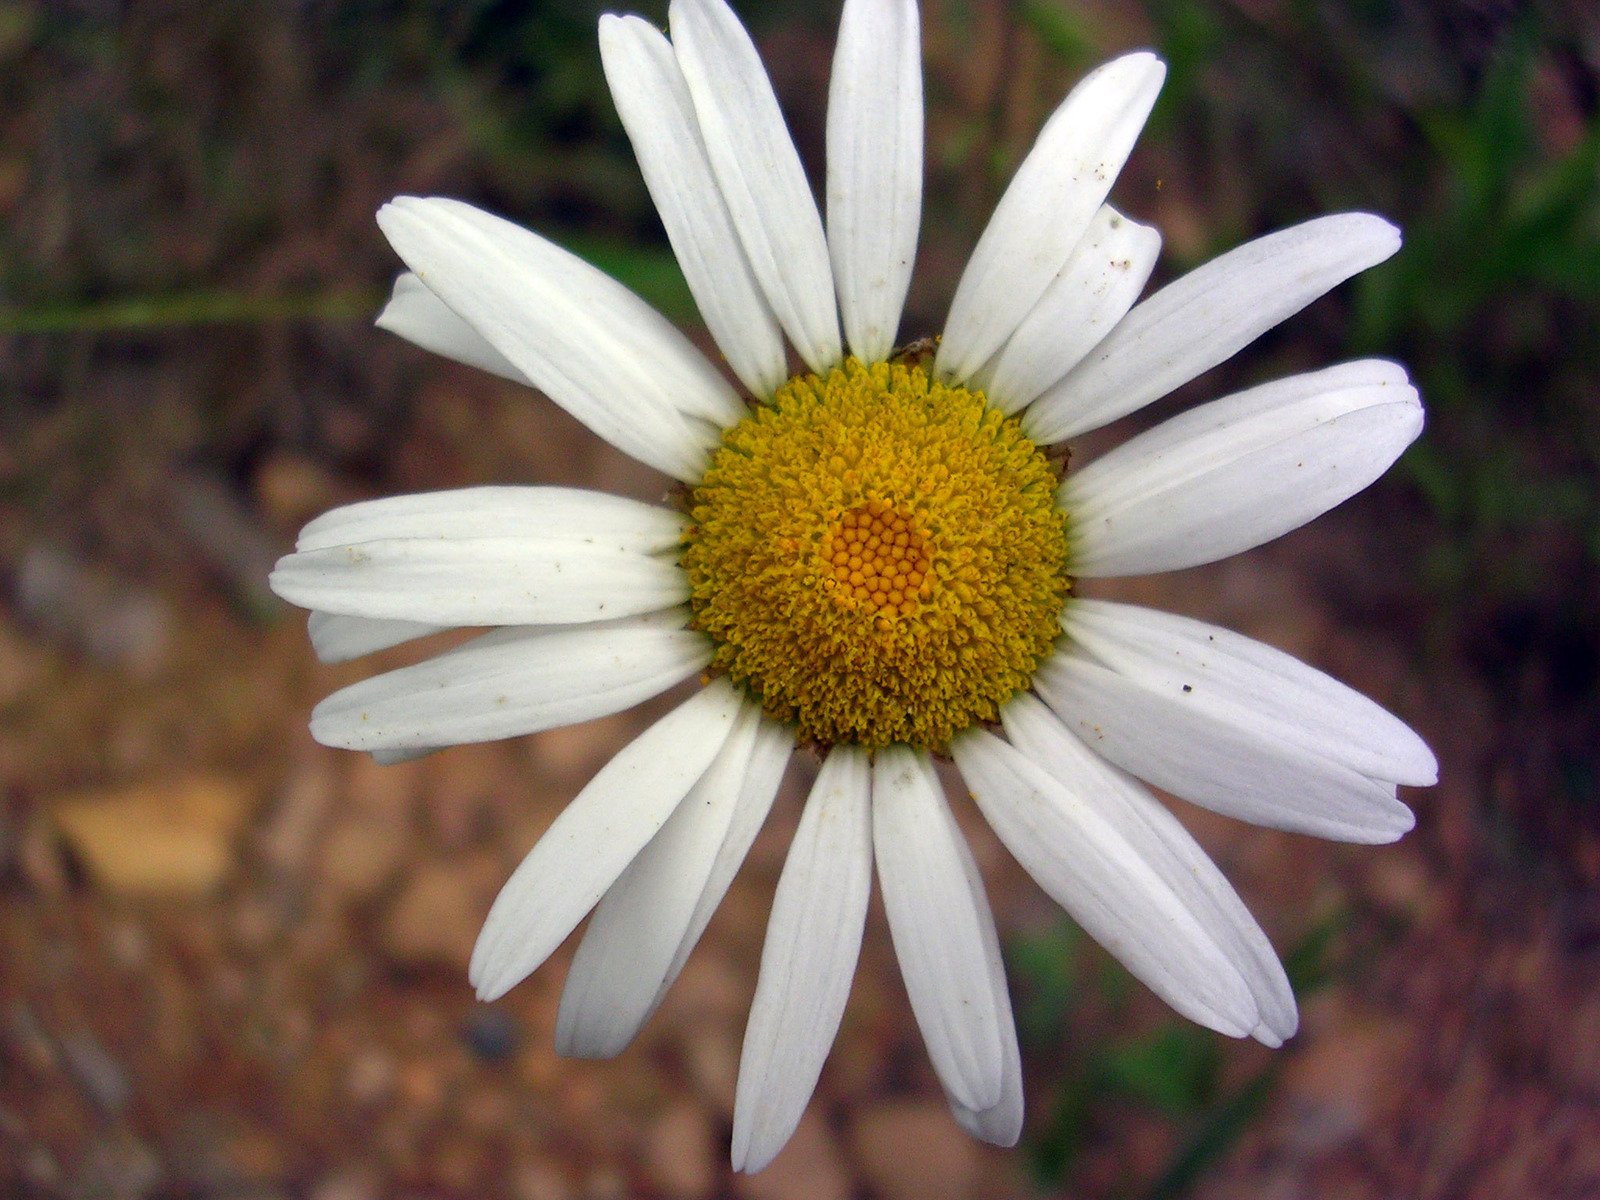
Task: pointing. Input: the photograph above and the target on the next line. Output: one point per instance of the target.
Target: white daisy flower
(874, 558)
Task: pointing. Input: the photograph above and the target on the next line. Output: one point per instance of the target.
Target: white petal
(337, 638)
(625, 953)
(1158, 837)
(530, 580)
(510, 682)
(1239, 770)
(813, 938)
(416, 314)
(1089, 868)
(1047, 208)
(656, 110)
(1227, 482)
(937, 928)
(760, 174)
(1253, 684)
(1094, 290)
(390, 758)
(773, 748)
(586, 341)
(875, 168)
(476, 512)
(1001, 1123)
(595, 837)
(1367, 374)
(1207, 317)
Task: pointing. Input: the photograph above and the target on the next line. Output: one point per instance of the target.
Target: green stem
(190, 308)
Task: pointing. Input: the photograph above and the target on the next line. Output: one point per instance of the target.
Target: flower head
(876, 557)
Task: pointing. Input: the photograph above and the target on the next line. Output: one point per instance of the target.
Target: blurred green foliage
(1511, 246)
(1172, 1073)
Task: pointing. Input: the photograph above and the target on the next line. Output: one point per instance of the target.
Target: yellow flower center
(878, 557)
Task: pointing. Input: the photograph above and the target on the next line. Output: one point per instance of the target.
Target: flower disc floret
(878, 557)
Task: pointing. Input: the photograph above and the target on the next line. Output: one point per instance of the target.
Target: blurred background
(232, 963)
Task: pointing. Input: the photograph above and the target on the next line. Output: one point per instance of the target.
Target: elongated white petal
(1158, 837)
(510, 682)
(635, 932)
(1001, 1123)
(1269, 407)
(488, 512)
(596, 836)
(1207, 317)
(656, 109)
(390, 758)
(1093, 291)
(936, 927)
(875, 168)
(1241, 770)
(1370, 375)
(530, 580)
(1233, 482)
(337, 638)
(813, 939)
(1047, 208)
(582, 338)
(773, 748)
(1251, 683)
(1089, 868)
(760, 174)
(416, 314)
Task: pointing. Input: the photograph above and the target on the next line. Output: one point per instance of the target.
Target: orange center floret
(880, 558)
